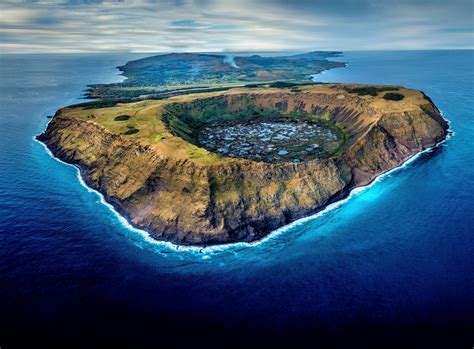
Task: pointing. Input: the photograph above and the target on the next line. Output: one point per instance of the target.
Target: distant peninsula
(217, 149)
(180, 73)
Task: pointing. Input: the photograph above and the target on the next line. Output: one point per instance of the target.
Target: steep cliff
(158, 182)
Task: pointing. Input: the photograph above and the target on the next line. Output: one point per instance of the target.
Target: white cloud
(242, 25)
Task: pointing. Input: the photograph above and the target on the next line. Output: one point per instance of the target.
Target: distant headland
(209, 149)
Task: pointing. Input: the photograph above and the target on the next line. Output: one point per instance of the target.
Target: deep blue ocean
(396, 260)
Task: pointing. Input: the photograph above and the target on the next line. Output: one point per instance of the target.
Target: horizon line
(229, 52)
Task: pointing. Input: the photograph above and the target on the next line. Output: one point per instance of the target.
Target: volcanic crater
(233, 165)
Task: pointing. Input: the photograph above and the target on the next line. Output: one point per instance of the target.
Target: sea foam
(146, 236)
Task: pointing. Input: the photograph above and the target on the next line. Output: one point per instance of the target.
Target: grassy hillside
(184, 71)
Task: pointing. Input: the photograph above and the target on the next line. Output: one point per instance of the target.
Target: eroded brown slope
(189, 201)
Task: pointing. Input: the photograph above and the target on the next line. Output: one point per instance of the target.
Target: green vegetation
(194, 147)
(187, 120)
(391, 96)
(431, 110)
(283, 84)
(369, 90)
(159, 137)
(98, 104)
(115, 92)
(176, 125)
(122, 118)
(184, 119)
(175, 73)
(196, 152)
(339, 129)
(294, 85)
(131, 130)
(428, 110)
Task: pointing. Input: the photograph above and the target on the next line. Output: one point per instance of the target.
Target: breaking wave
(146, 236)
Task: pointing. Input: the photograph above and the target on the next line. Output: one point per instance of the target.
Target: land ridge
(166, 75)
(149, 161)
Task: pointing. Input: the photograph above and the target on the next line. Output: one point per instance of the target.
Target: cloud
(224, 25)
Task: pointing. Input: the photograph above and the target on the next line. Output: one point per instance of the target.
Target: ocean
(393, 262)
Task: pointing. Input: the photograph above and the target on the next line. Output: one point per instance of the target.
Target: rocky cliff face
(187, 202)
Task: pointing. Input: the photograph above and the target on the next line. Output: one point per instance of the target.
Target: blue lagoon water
(397, 258)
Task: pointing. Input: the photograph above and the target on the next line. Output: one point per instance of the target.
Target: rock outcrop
(188, 202)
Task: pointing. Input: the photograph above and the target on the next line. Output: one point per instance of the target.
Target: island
(181, 73)
(228, 162)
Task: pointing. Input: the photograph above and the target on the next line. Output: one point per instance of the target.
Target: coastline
(383, 257)
(332, 203)
(148, 238)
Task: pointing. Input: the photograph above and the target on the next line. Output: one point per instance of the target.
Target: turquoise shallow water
(397, 258)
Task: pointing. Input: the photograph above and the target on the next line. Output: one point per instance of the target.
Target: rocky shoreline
(189, 203)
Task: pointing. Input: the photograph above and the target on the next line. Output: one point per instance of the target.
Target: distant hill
(150, 77)
(191, 68)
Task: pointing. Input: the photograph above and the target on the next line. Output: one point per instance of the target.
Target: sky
(234, 25)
